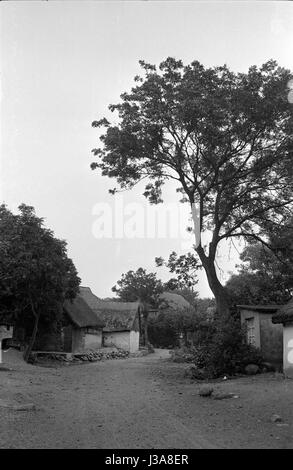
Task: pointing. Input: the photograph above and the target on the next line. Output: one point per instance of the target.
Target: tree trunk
(32, 339)
(223, 301)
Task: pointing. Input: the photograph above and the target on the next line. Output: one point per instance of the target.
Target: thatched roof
(259, 308)
(81, 314)
(118, 316)
(121, 316)
(173, 301)
(284, 314)
(90, 298)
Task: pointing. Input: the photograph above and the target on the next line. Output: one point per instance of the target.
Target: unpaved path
(140, 402)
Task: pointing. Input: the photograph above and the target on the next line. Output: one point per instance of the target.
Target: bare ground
(144, 402)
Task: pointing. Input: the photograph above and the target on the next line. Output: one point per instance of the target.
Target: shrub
(162, 333)
(182, 355)
(220, 348)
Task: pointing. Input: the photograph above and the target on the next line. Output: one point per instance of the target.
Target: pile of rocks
(93, 356)
(87, 356)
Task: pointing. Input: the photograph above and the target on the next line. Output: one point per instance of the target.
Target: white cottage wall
(134, 341)
(93, 340)
(288, 350)
(120, 339)
(6, 332)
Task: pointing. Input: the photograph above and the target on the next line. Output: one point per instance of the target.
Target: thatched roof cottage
(121, 320)
(82, 328)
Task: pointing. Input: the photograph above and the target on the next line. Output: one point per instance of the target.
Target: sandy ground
(143, 402)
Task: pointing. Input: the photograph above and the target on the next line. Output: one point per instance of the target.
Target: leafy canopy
(36, 274)
(266, 275)
(139, 285)
(225, 137)
(184, 267)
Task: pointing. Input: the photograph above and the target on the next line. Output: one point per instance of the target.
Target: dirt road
(140, 402)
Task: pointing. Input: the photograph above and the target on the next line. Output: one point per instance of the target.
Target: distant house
(78, 328)
(121, 325)
(170, 302)
(121, 320)
(284, 316)
(173, 301)
(261, 332)
(82, 328)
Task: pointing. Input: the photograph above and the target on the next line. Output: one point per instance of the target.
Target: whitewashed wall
(93, 341)
(288, 350)
(5, 332)
(134, 341)
(120, 339)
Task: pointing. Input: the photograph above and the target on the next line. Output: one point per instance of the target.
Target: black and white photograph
(146, 227)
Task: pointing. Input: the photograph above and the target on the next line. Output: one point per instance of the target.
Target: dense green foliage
(220, 348)
(266, 274)
(139, 285)
(143, 287)
(36, 275)
(184, 267)
(225, 138)
(163, 332)
(171, 327)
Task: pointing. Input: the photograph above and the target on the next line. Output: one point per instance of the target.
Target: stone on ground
(223, 396)
(276, 418)
(268, 367)
(205, 391)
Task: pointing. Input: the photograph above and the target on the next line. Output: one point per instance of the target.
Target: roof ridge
(81, 313)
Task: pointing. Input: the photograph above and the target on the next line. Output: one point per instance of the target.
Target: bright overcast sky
(62, 63)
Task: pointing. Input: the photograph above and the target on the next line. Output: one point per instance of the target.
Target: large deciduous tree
(36, 275)
(224, 137)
